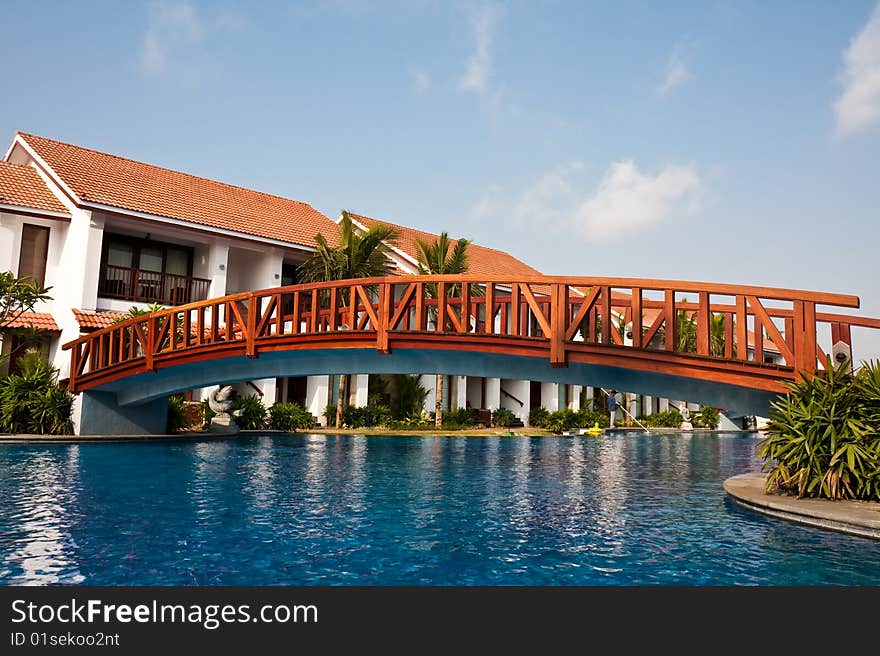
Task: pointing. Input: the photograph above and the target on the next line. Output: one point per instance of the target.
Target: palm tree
(436, 259)
(358, 255)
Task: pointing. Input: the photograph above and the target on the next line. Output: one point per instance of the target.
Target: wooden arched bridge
(700, 341)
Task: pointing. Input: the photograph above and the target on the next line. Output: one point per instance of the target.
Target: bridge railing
(731, 323)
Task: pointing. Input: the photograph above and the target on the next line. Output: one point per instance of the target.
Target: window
(33, 254)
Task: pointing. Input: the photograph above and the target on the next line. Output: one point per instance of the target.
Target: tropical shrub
(32, 402)
(290, 417)
(409, 396)
(823, 438)
(459, 418)
(177, 419)
(587, 418)
(538, 417)
(207, 414)
(253, 412)
(667, 419)
(707, 417)
(503, 418)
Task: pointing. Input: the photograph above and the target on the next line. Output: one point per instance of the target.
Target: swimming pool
(326, 509)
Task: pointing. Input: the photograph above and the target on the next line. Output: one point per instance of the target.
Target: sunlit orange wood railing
(604, 320)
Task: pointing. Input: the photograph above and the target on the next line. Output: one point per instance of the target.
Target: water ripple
(340, 510)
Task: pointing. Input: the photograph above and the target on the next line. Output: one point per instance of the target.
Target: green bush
(360, 416)
(207, 414)
(253, 412)
(503, 418)
(420, 422)
(409, 396)
(667, 419)
(707, 417)
(32, 402)
(460, 418)
(823, 438)
(177, 419)
(538, 417)
(290, 417)
(587, 418)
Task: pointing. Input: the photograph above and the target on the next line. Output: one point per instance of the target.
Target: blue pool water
(316, 509)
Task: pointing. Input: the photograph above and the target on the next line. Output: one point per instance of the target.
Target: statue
(222, 421)
(685, 417)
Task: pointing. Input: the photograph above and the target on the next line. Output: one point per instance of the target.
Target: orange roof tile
(106, 179)
(94, 320)
(36, 320)
(482, 260)
(22, 186)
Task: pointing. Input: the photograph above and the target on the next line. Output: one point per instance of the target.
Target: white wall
(249, 270)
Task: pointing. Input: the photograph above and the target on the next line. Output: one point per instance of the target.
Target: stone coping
(861, 518)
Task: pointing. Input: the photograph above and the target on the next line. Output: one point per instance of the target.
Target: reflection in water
(39, 547)
(316, 509)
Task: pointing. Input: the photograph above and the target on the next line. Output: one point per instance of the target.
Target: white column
(460, 399)
(429, 382)
(360, 383)
(664, 405)
(317, 397)
(550, 396)
(493, 393)
(648, 408)
(575, 397)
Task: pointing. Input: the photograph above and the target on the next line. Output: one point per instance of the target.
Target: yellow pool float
(594, 430)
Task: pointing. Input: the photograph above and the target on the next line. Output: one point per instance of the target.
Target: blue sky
(722, 141)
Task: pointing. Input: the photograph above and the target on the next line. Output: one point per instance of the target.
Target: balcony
(150, 286)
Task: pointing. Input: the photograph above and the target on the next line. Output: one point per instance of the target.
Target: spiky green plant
(824, 437)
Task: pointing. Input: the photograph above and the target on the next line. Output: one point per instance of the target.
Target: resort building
(109, 234)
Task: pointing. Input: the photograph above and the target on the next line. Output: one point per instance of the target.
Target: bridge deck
(700, 331)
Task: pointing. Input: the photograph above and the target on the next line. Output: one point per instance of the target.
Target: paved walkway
(860, 518)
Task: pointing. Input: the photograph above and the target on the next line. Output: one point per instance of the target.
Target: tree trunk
(438, 402)
(339, 399)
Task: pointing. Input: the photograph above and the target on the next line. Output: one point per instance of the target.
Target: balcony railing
(150, 286)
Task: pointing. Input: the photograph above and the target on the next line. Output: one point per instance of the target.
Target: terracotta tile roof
(119, 182)
(94, 320)
(37, 320)
(481, 259)
(22, 186)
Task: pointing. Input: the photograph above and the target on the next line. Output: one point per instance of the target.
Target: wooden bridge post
(383, 316)
(251, 329)
(150, 349)
(558, 312)
(637, 317)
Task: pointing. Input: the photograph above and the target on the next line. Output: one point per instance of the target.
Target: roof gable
(105, 179)
(482, 260)
(22, 186)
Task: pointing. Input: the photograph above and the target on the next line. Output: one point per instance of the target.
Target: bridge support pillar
(102, 415)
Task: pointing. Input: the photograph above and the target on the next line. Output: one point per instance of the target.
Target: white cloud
(859, 105)
(676, 74)
(175, 32)
(421, 81)
(627, 200)
(479, 64)
(624, 201)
